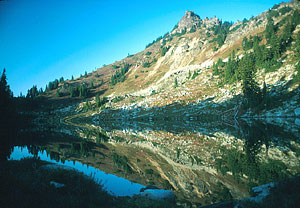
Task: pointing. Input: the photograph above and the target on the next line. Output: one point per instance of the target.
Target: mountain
(179, 110)
(205, 61)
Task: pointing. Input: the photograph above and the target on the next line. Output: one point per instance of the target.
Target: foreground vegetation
(26, 183)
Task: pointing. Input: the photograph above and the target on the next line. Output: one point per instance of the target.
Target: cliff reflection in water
(215, 161)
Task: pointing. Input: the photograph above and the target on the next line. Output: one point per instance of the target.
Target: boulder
(158, 194)
(57, 185)
(297, 112)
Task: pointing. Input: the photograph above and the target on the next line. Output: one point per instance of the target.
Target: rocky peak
(188, 21)
(211, 22)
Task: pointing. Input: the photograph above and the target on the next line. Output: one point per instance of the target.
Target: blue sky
(42, 40)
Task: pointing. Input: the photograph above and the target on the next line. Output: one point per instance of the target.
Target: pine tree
(175, 83)
(5, 93)
(250, 88)
(275, 46)
(97, 100)
(189, 75)
(7, 117)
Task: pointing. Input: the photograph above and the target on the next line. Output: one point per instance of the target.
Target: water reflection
(201, 162)
(244, 153)
(115, 185)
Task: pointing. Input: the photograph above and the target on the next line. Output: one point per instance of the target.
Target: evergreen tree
(189, 75)
(32, 92)
(230, 70)
(97, 100)
(5, 93)
(297, 46)
(175, 83)
(250, 88)
(7, 117)
(270, 30)
(275, 46)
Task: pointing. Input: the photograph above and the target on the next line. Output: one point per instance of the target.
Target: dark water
(113, 184)
(200, 162)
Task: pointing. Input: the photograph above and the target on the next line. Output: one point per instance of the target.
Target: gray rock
(297, 112)
(57, 185)
(158, 194)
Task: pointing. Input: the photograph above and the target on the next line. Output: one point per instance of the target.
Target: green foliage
(92, 84)
(273, 13)
(189, 76)
(247, 44)
(175, 83)
(52, 85)
(87, 106)
(246, 163)
(146, 65)
(154, 41)
(153, 92)
(235, 28)
(32, 92)
(61, 80)
(74, 91)
(122, 162)
(217, 67)
(7, 110)
(100, 101)
(119, 76)
(178, 34)
(83, 91)
(250, 88)
(275, 6)
(271, 30)
(193, 29)
(221, 31)
(148, 53)
(195, 74)
(118, 99)
(116, 66)
(178, 152)
(285, 10)
(35, 189)
(164, 50)
(58, 94)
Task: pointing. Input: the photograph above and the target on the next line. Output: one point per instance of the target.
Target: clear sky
(41, 40)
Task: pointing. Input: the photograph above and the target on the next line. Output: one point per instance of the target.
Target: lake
(201, 162)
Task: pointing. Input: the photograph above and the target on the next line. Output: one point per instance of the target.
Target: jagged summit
(211, 22)
(192, 21)
(188, 21)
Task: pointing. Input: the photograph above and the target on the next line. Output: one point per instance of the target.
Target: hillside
(202, 61)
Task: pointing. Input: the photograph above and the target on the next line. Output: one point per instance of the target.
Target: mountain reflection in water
(200, 162)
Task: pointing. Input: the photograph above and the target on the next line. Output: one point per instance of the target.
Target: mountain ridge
(194, 57)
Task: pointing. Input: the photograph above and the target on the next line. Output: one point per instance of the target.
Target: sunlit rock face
(188, 21)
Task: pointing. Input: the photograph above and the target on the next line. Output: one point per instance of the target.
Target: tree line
(262, 56)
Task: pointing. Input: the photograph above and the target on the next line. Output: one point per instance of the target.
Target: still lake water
(200, 162)
(113, 184)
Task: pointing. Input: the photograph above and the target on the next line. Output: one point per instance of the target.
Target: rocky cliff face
(187, 22)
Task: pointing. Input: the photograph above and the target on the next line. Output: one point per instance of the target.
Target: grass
(284, 195)
(25, 184)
